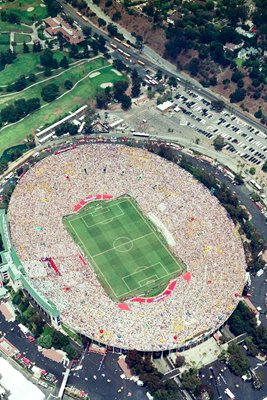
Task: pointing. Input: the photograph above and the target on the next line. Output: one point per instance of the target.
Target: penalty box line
(150, 277)
(93, 261)
(105, 221)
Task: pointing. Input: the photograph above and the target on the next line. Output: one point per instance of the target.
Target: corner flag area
(129, 256)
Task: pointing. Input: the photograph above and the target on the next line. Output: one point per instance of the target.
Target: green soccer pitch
(128, 254)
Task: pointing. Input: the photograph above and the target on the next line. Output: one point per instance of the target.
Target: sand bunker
(42, 5)
(94, 74)
(30, 9)
(116, 72)
(105, 85)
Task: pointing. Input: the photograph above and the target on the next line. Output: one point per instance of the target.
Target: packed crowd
(205, 239)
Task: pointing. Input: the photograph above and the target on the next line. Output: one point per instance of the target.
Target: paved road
(165, 66)
(30, 350)
(100, 388)
(245, 390)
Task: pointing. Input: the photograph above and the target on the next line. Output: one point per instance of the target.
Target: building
(166, 106)
(12, 270)
(58, 25)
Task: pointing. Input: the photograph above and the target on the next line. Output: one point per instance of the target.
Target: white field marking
(116, 247)
(158, 238)
(143, 268)
(148, 280)
(94, 263)
(128, 293)
(112, 248)
(75, 216)
(106, 221)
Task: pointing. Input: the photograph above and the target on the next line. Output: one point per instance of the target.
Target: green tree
(218, 143)
(64, 63)
(32, 78)
(238, 362)
(180, 360)
(46, 58)
(126, 102)
(264, 167)
(190, 380)
(25, 48)
(50, 92)
(45, 341)
(68, 84)
(252, 170)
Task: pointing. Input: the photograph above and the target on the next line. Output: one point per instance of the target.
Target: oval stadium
(126, 248)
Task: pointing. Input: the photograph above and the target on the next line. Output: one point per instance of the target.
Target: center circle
(123, 244)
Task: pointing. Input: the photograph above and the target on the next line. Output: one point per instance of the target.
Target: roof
(23, 389)
(53, 355)
(165, 106)
(57, 24)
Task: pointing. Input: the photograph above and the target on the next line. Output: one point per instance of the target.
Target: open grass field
(20, 38)
(127, 252)
(24, 64)
(51, 112)
(28, 10)
(7, 27)
(4, 41)
(74, 74)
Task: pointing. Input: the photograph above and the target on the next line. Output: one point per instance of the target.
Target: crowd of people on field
(205, 239)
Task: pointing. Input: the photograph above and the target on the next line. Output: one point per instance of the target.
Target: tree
(116, 16)
(159, 74)
(264, 167)
(238, 179)
(218, 143)
(47, 72)
(25, 48)
(45, 341)
(37, 47)
(53, 7)
(68, 84)
(64, 63)
(32, 78)
(259, 380)
(33, 104)
(236, 76)
(46, 59)
(179, 362)
(50, 92)
(217, 105)
(87, 31)
(102, 100)
(238, 362)
(190, 380)
(20, 84)
(136, 90)
(119, 89)
(238, 95)
(126, 102)
(89, 119)
(252, 170)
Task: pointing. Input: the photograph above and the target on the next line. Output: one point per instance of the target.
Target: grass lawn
(21, 8)
(126, 251)
(73, 73)
(20, 38)
(7, 27)
(239, 62)
(59, 108)
(4, 38)
(24, 64)
(4, 41)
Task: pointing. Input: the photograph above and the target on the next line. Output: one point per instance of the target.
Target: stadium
(129, 248)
